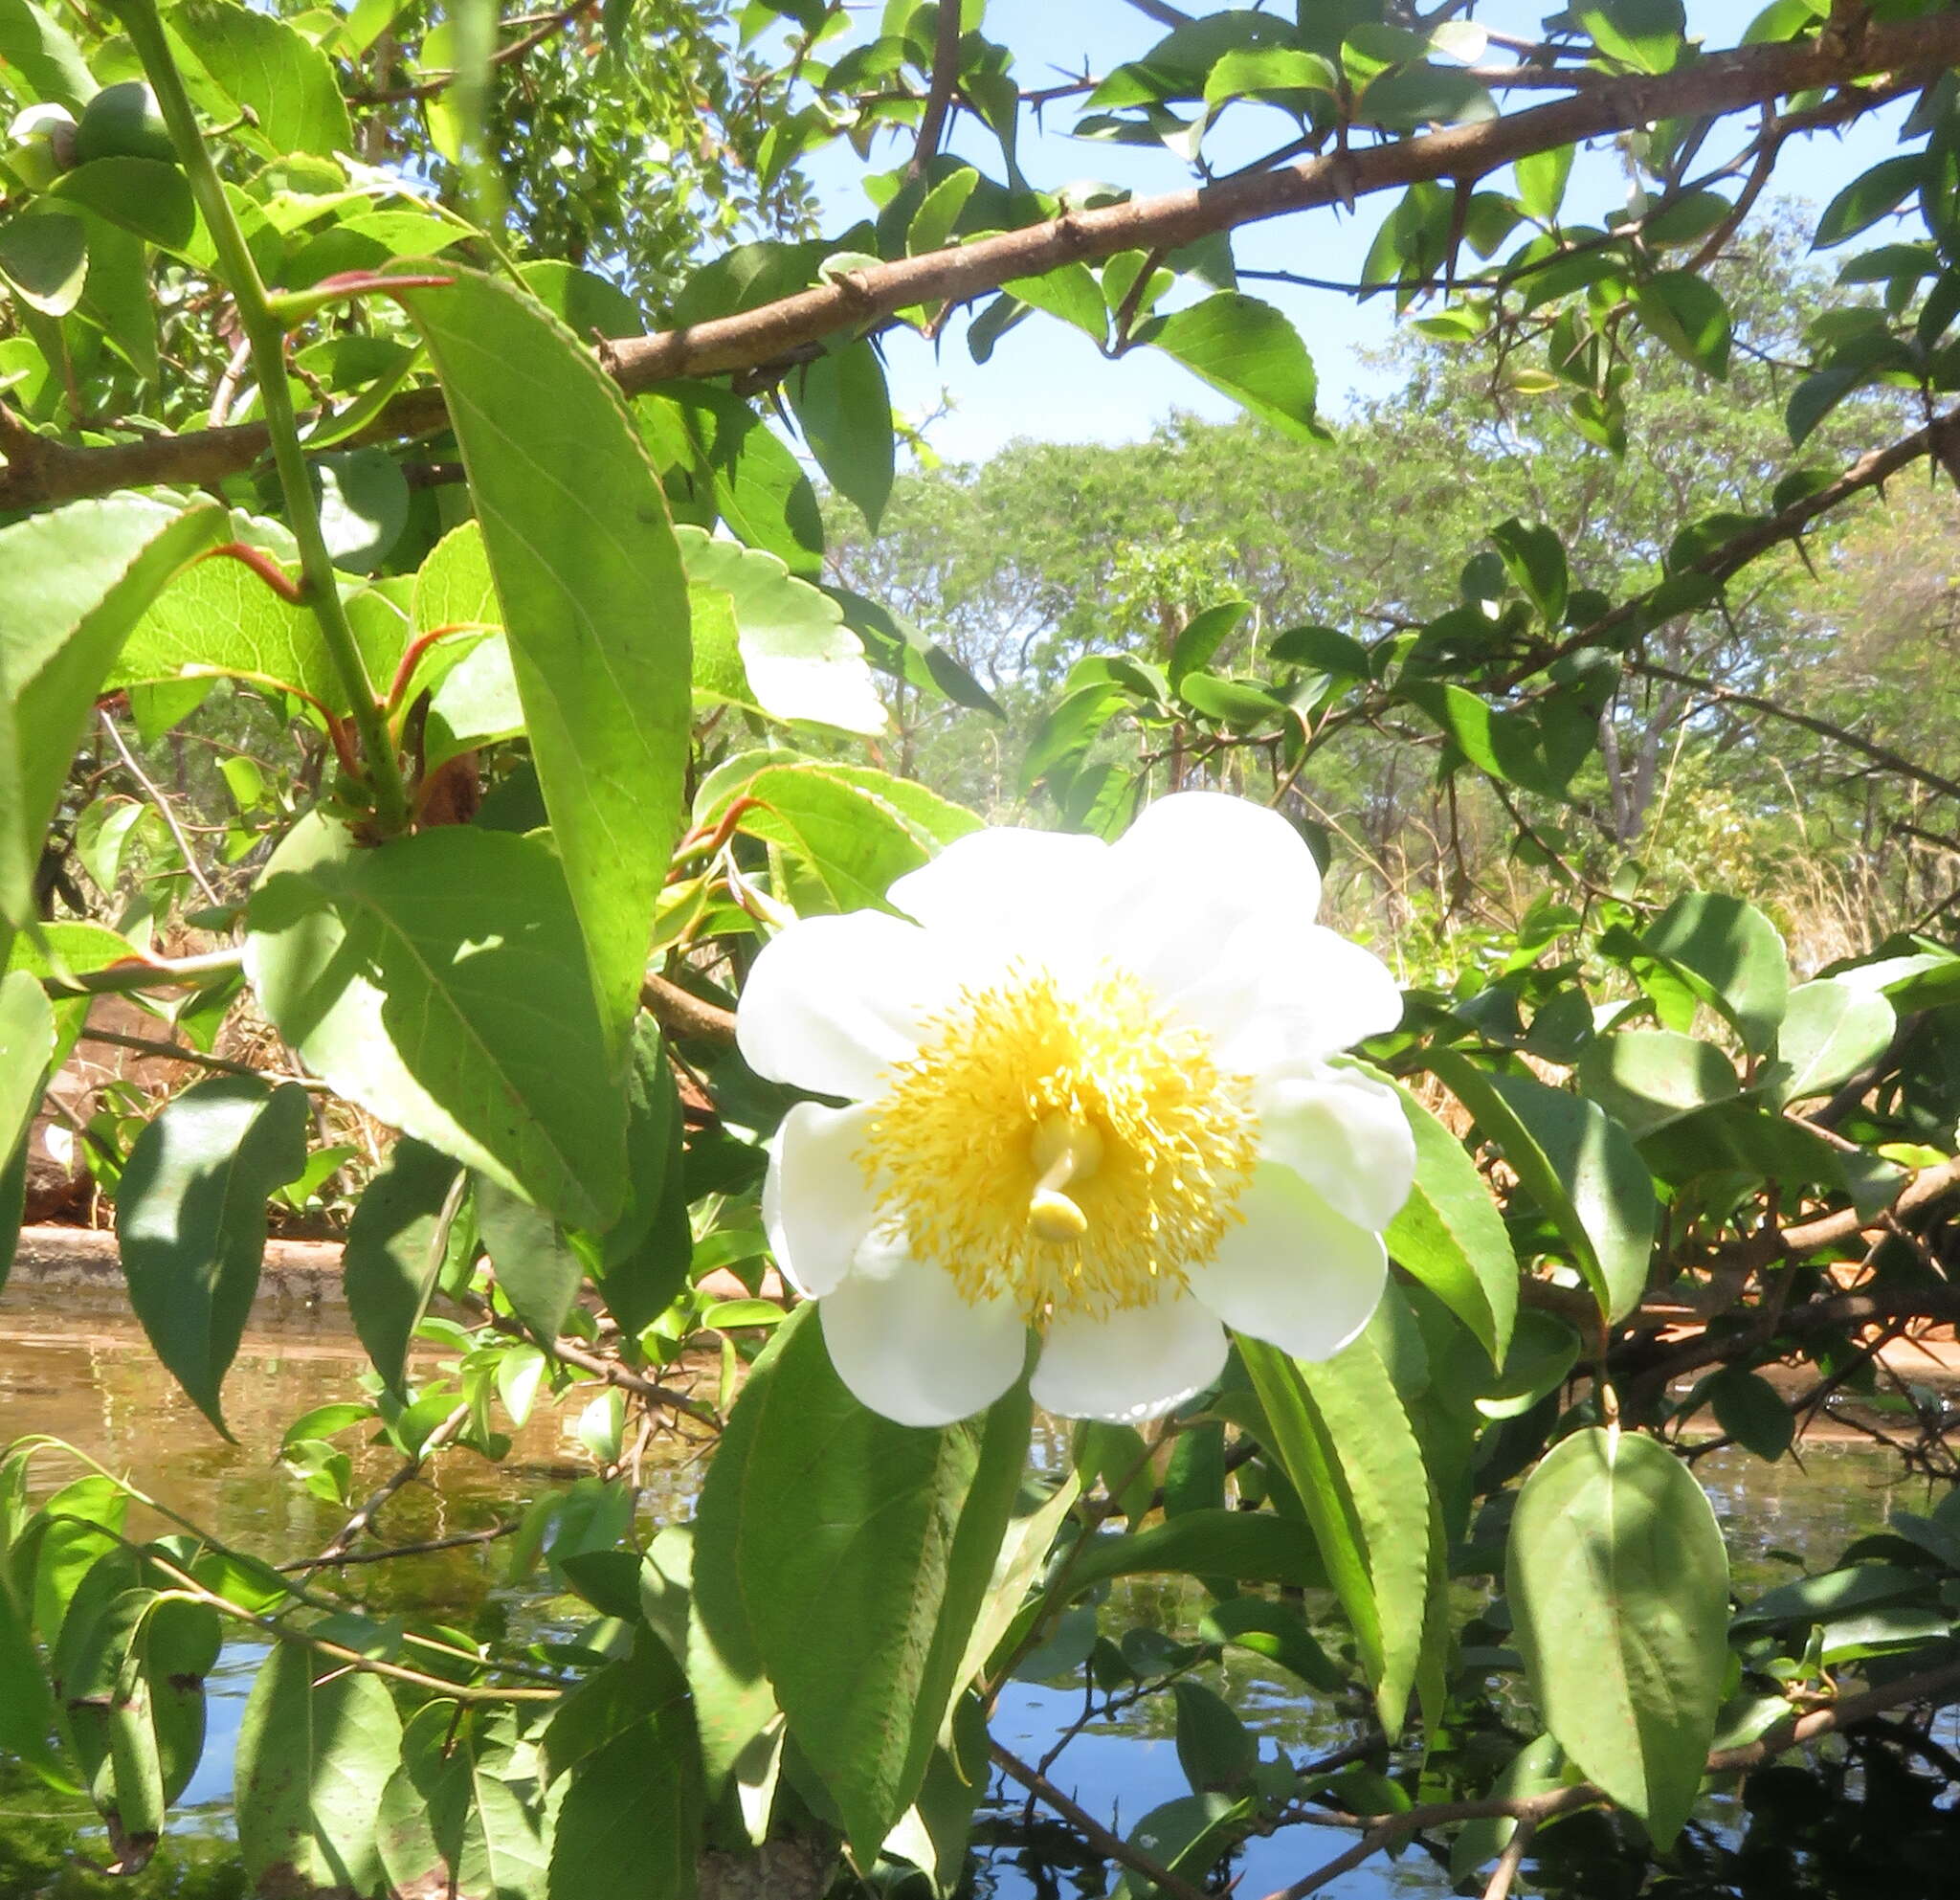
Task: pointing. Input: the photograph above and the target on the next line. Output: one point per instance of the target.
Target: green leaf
(848, 1557)
(1341, 1436)
(1579, 1165)
(1619, 1587)
(313, 1762)
(44, 56)
(765, 639)
(1542, 181)
(847, 842)
(1512, 747)
(630, 1822)
(1731, 956)
(1535, 559)
(845, 412)
(1383, 1474)
(27, 1048)
(44, 260)
(191, 1220)
(1251, 1547)
(394, 1252)
(1830, 1030)
(1451, 1237)
(438, 981)
(1185, 1837)
(1645, 34)
(1216, 1750)
(1203, 634)
(536, 1267)
(644, 1260)
(1070, 292)
(1688, 315)
(450, 1819)
(27, 1703)
(71, 585)
(141, 195)
(272, 71)
(1871, 196)
(595, 606)
(1751, 1411)
(1249, 351)
(748, 475)
(1647, 1078)
(1535, 1769)
(1275, 1632)
(218, 616)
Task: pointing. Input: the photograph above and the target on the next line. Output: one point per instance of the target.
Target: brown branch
(1111, 1847)
(461, 1540)
(945, 77)
(683, 1015)
(1533, 1810)
(1881, 755)
(552, 25)
(1721, 84)
(1941, 437)
(357, 1525)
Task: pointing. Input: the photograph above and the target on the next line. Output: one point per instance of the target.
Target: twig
(945, 77)
(681, 1012)
(1499, 1885)
(461, 1540)
(1112, 1846)
(176, 1052)
(163, 805)
(357, 1525)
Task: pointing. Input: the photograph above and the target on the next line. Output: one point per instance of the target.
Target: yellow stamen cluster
(1075, 1150)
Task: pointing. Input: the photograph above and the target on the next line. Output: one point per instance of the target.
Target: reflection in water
(99, 1388)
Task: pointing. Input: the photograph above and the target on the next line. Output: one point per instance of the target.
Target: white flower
(1089, 1091)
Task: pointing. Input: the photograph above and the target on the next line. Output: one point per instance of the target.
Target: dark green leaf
(536, 1267)
(1216, 1750)
(1830, 1030)
(44, 56)
(1203, 634)
(44, 258)
(191, 1220)
(1751, 1411)
(845, 412)
(1647, 1078)
(644, 1259)
(394, 1252)
(1871, 196)
(1535, 559)
(450, 1819)
(1688, 315)
(1731, 954)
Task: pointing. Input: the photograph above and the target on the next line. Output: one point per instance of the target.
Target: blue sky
(1047, 380)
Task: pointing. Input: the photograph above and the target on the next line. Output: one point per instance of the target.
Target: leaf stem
(266, 338)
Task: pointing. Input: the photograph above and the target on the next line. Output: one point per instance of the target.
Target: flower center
(1076, 1149)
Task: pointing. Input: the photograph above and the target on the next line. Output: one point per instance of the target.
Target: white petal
(1134, 1365)
(1292, 1270)
(833, 1001)
(906, 1343)
(1345, 1134)
(1314, 995)
(816, 1205)
(1003, 882)
(1192, 870)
